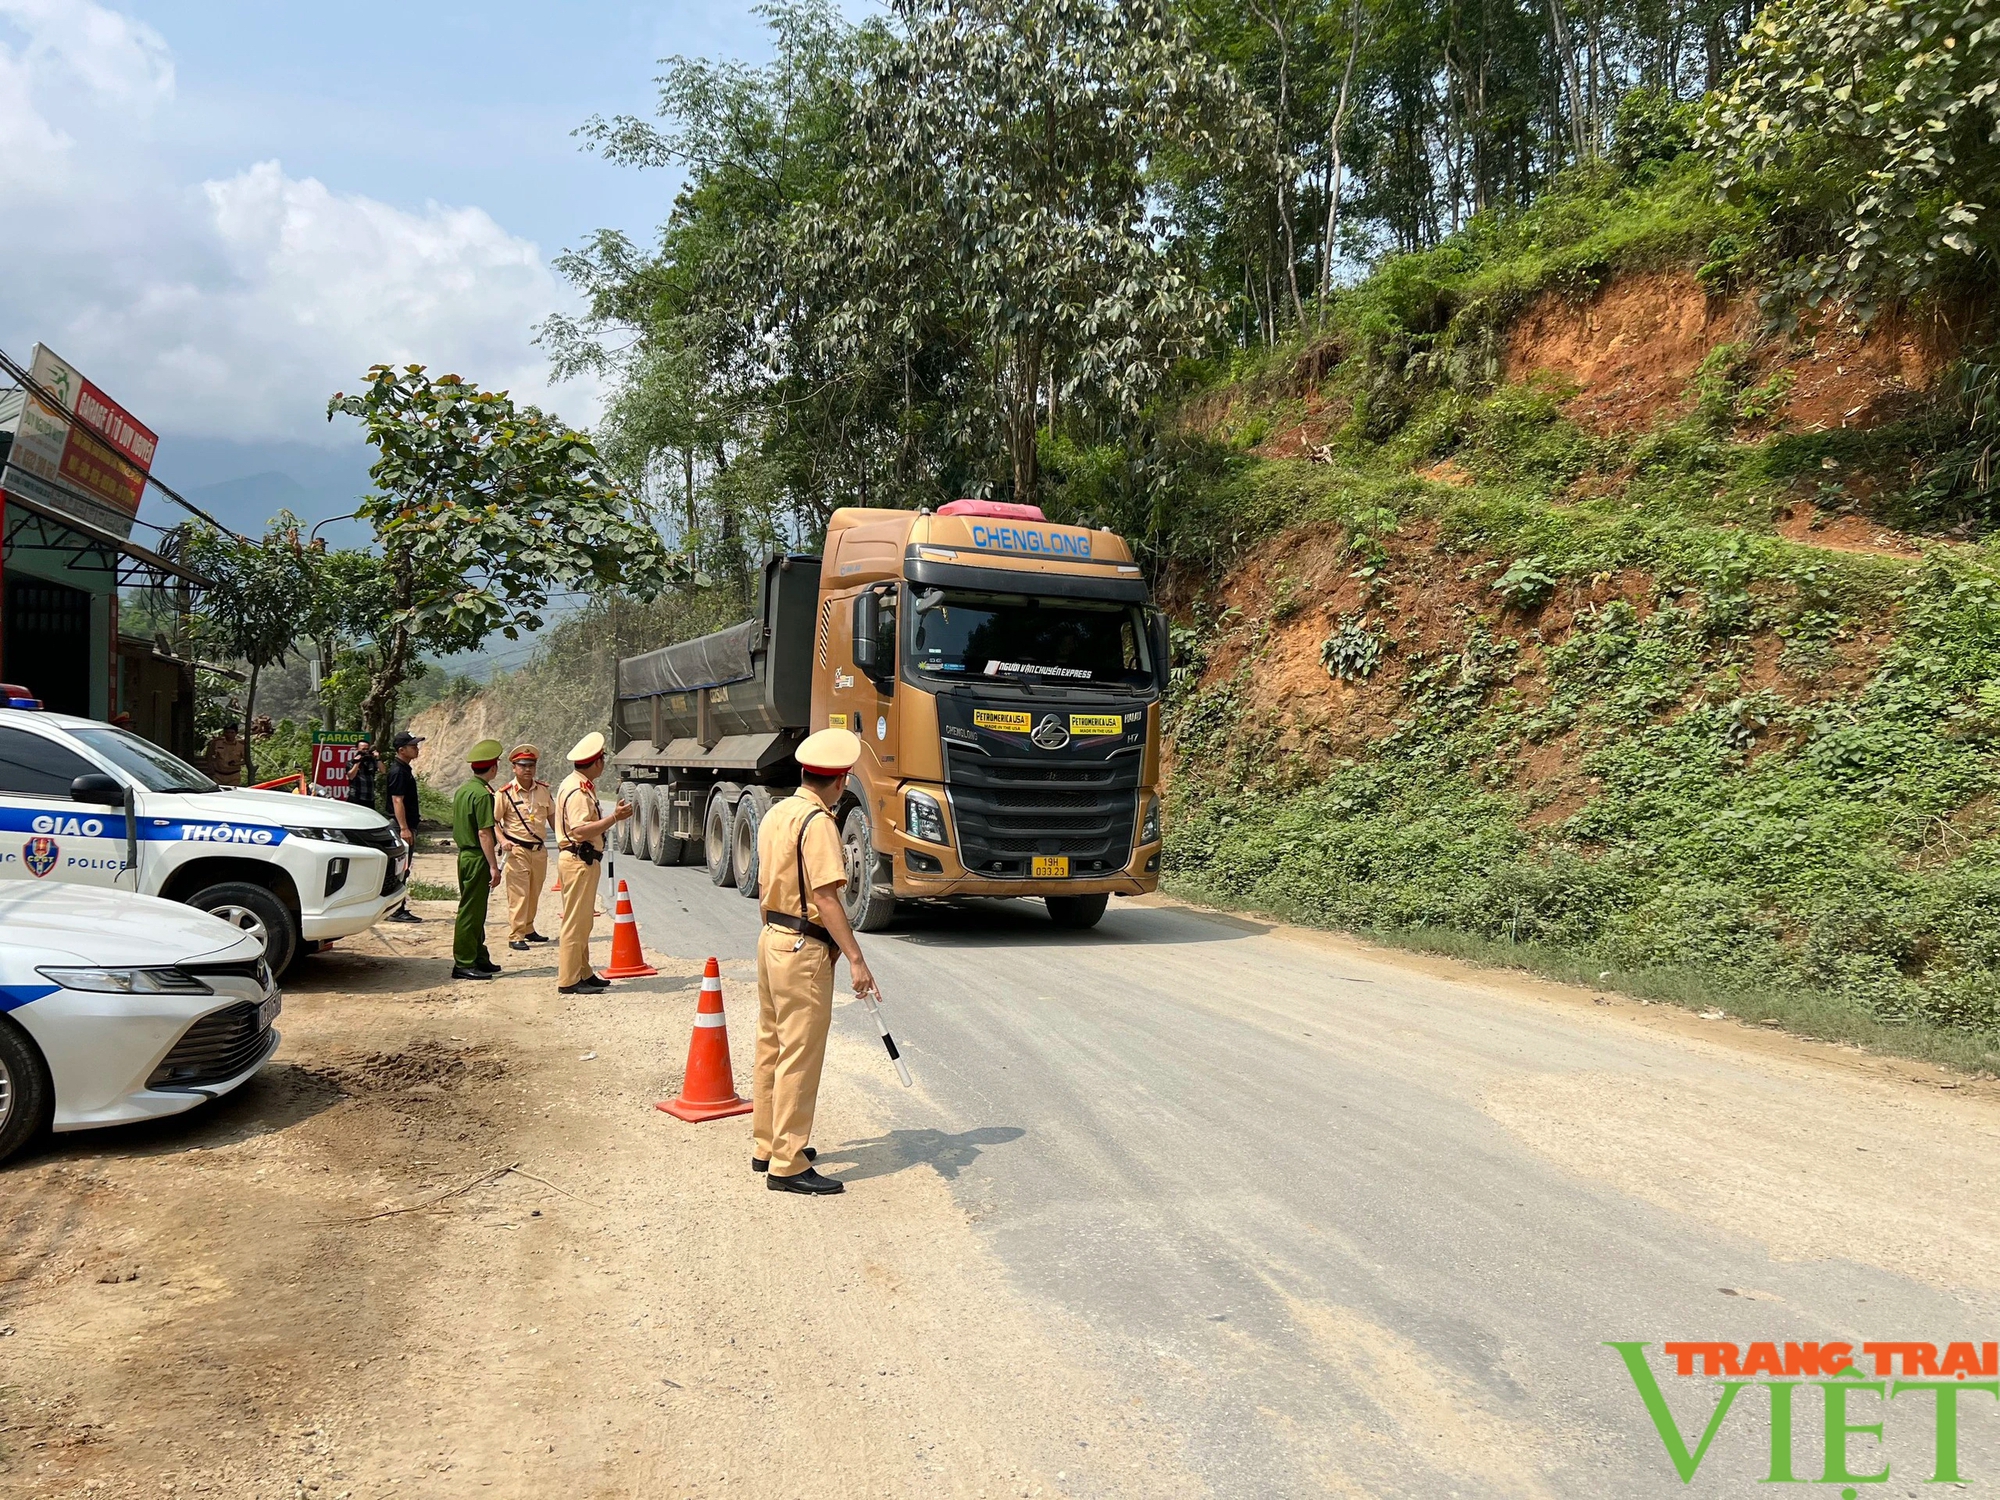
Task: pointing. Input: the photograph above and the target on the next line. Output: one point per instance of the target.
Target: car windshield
(154, 769)
(1084, 641)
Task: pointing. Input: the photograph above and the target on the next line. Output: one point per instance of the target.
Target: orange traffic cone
(627, 960)
(708, 1092)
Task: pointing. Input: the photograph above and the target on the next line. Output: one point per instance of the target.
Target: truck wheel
(750, 810)
(662, 848)
(26, 1096)
(716, 840)
(870, 895)
(617, 841)
(255, 910)
(1078, 912)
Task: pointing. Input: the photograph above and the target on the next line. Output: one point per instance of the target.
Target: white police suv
(92, 804)
(116, 1008)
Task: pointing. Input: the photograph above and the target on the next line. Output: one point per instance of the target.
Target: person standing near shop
(361, 775)
(478, 863)
(805, 932)
(523, 812)
(580, 852)
(403, 809)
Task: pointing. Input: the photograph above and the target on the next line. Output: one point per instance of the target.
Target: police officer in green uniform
(478, 863)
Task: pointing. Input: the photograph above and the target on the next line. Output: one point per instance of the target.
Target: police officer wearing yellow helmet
(805, 931)
(580, 852)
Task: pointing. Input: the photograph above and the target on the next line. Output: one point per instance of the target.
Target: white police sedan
(116, 1007)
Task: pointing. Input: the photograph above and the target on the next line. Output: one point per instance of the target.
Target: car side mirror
(867, 621)
(1163, 648)
(96, 787)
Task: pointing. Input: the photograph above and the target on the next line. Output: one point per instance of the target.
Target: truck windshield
(1004, 635)
(154, 769)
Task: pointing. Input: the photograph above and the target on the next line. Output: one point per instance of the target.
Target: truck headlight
(1149, 825)
(923, 818)
(324, 835)
(127, 981)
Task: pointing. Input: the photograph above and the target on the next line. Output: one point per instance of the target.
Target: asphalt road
(1353, 1225)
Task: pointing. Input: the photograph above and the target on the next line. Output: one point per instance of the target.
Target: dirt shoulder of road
(445, 1245)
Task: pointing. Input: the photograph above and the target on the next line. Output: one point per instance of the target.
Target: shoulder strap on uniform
(799, 855)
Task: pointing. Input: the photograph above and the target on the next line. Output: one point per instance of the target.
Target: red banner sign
(333, 764)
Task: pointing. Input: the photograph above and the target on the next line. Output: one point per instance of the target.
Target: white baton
(888, 1042)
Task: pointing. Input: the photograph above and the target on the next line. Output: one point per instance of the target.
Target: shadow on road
(1021, 923)
(856, 1161)
(283, 1095)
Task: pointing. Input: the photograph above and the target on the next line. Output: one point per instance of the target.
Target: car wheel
(750, 810)
(26, 1096)
(1077, 912)
(869, 897)
(254, 910)
(717, 828)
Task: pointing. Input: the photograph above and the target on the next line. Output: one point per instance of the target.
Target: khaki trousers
(579, 893)
(794, 1010)
(527, 870)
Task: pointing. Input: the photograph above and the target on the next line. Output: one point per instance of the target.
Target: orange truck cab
(1003, 672)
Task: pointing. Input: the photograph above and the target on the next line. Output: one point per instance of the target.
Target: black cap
(404, 737)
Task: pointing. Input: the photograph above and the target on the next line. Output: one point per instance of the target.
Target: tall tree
(482, 509)
(254, 609)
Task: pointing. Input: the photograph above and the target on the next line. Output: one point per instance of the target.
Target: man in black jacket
(403, 808)
(361, 775)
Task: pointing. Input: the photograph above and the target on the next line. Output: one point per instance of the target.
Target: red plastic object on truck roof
(996, 508)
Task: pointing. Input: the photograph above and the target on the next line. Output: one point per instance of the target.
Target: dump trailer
(1004, 674)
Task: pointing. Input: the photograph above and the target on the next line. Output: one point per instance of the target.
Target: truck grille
(1006, 811)
(219, 1046)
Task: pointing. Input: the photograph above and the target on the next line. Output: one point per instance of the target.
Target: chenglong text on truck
(1003, 673)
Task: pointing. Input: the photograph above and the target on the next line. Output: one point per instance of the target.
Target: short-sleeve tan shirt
(523, 817)
(576, 803)
(779, 852)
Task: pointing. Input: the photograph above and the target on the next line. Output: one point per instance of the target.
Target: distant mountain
(243, 484)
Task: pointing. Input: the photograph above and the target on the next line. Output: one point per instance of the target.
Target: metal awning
(90, 545)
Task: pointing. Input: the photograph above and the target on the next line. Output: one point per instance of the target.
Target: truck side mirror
(867, 622)
(1163, 648)
(96, 787)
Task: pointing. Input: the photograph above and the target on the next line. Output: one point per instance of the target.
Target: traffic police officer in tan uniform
(580, 853)
(805, 930)
(522, 814)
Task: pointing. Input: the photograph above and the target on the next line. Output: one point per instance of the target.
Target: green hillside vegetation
(1621, 727)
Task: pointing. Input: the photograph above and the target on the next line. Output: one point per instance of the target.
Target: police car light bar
(18, 696)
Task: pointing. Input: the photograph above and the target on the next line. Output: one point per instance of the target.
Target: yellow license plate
(1051, 866)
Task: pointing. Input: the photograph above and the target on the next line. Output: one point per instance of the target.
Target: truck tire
(26, 1095)
(870, 896)
(750, 810)
(617, 840)
(255, 910)
(662, 848)
(1077, 912)
(716, 825)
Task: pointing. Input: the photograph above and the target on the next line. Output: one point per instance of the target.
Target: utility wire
(49, 401)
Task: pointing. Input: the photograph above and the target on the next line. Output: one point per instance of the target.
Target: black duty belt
(800, 925)
(590, 854)
(519, 843)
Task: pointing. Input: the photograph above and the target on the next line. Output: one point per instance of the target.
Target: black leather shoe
(763, 1163)
(520, 947)
(404, 915)
(536, 937)
(459, 971)
(807, 1181)
(590, 986)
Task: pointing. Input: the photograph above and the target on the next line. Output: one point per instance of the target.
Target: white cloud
(232, 307)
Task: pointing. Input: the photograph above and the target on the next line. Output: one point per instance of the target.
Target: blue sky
(231, 209)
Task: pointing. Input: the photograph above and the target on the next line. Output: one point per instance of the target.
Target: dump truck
(1003, 672)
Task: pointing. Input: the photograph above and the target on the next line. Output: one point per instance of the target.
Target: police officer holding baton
(805, 932)
(580, 855)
